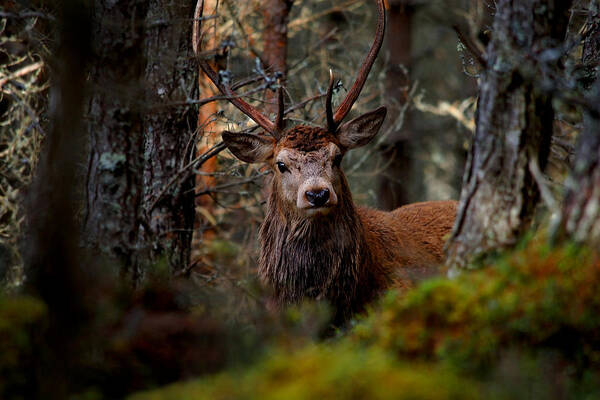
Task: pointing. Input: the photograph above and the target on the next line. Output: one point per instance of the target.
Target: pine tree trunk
(116, 123)
(395, 186)
(209, 136)
(275, 39)
(140, 200)
(170, 78)
(514, 128)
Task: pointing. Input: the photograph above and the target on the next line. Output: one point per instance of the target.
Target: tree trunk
(52, 259)
(116, 118)
(275, 39)
(396, 187)
(169, 147)
(514, 128)
(591, 46)
(140, 200)
(209, 135)
(580, 218)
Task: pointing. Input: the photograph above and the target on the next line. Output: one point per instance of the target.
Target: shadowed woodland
(132, 258)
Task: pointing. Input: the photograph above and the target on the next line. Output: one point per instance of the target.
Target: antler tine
(243, 106)
(354, 91)
(331, 125)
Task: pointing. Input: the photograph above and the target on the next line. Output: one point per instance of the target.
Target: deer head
(306, 160)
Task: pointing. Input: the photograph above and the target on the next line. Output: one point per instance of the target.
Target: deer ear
(361, 130)
(249, 148)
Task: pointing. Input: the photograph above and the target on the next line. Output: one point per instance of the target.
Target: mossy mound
(536, 299)
(339, 371)
(526, 327)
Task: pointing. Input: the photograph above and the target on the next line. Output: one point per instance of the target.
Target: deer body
(315, 243)
(349, 254)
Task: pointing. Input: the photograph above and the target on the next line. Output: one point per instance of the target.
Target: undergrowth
(527, 326)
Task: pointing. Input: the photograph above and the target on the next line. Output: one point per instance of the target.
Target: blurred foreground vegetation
(524, 325)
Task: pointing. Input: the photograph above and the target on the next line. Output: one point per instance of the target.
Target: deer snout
(316, 193)
(317, 198)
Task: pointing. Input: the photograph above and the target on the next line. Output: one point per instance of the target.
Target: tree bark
(140, 200)
(396, 187)
(580, 217)
(209, 135)
(514, 128)
(116, 118)
(275, 39)
(591, 46)
(170, 78)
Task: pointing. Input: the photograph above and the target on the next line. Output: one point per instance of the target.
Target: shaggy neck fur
(323, 257)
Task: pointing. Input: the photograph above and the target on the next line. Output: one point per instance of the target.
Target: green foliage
(525, 327)
(20, 320)
(339, 371)
(535, 298)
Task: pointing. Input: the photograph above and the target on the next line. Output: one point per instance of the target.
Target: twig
(545, 192)
(455, 110)
(34, 118)
(21, 72)
(310, 51)
(27, 14)
(301, 21)
(471, 46)
(251, 179)
(398, 123)
(207, 100)
(196, 162)
(304, 102)
(252, 49)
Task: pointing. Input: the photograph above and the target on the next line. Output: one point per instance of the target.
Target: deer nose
(317, 198)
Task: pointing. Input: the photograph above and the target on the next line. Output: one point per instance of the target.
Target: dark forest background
(128, 233)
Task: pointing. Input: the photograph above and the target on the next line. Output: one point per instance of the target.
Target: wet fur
(351, 254)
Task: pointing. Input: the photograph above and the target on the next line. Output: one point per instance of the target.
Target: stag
(315, 242)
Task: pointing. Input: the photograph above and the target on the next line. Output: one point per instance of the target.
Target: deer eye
(337, 160)
(282, 168)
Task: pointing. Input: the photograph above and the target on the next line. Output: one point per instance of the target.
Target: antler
(249, 110)
(343, 109)
(331, 125)
(280, 121)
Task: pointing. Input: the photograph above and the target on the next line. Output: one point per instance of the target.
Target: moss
(223, 249)
(535, 298)
(20, 321)
(339, 371)
(525, 327)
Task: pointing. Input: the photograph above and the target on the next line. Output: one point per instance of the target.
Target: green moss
(525, 327)
(532, 298)
(338, 371)
(223, 249)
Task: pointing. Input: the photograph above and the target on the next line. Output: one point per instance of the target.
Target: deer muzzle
(316, 196)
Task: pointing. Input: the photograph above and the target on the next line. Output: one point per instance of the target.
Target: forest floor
(523, 325)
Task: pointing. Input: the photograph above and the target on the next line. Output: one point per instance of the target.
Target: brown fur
(306, 138)
(337, 251)
(351, 254)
